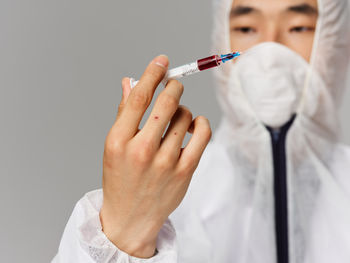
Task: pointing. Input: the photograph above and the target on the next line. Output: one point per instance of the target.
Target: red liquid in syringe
(209, 62)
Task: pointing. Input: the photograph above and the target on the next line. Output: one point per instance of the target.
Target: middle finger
(163, 110)
(179, 125)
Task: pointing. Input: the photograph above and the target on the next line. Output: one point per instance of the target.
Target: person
(272, 185)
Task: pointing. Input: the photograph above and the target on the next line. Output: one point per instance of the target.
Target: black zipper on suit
(278, 138)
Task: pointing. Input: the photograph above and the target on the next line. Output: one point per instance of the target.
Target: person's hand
(146, 174)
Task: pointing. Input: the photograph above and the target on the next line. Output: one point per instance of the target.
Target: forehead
(273, 4)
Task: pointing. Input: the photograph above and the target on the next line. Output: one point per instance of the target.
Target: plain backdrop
(61, 63)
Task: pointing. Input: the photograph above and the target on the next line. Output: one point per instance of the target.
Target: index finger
(140, 98)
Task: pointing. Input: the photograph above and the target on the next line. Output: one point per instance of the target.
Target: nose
(271, 34)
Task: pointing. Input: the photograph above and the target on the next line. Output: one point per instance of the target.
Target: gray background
(61, 63)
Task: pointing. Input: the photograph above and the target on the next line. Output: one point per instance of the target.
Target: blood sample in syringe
(209, 62)
(213, 61)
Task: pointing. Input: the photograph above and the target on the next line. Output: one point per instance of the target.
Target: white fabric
(271, 77)
(318, 200)
(228, 213)
(84, 241)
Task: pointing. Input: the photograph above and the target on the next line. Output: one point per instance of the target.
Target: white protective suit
(258, 192)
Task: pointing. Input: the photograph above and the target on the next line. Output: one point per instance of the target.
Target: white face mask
(272, 78)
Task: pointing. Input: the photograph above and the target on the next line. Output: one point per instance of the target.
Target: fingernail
(162, 61)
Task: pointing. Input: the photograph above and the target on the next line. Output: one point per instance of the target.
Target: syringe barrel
(175, 73)
(188, 69)
(182, 71)
(209, 62)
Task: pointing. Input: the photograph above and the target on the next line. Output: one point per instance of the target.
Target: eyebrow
(242, 10)
(303, 9)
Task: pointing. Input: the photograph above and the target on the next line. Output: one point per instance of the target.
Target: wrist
(134, 240)
(135, 246)
(142, 250)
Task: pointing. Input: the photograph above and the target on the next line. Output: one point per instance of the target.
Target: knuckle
(181, 87)
(155, 72)
(140, 100)
(206, 133)
(205, 129)
(168, 101)
(114, 147)
(186, 113)
(177, 84)
(143, 153)
(189, 165)
(202, 119)
(163, 163)
(141, 157)
(183, 173)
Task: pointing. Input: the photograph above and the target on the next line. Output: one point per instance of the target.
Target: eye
(301, 29)
(244, 30)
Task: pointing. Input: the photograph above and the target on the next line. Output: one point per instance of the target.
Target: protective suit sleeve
(84, 241)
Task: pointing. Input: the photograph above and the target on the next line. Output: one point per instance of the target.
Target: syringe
(194, 67)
